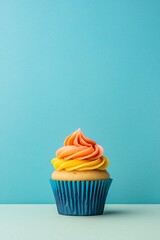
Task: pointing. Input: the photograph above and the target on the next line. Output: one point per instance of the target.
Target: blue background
(88, 64)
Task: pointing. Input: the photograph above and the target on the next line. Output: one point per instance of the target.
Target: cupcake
(80, 182)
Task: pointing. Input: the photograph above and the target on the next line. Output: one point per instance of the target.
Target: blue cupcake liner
(80, 198)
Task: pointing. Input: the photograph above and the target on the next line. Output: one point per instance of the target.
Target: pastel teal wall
(88, 64)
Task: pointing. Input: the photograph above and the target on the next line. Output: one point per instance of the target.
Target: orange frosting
(80, 153)
(77, 146)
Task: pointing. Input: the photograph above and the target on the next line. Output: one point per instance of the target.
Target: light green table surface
(120, 222)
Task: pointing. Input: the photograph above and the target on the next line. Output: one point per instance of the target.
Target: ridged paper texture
(80, 198)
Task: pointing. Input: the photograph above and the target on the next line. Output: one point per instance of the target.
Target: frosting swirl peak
(78, 146)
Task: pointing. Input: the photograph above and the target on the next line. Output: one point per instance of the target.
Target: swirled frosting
(80, 165)
(77, 146)
(80, 153)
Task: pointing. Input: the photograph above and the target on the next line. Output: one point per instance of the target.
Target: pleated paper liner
(80, 198)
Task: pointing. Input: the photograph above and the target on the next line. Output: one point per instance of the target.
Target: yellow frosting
(100, 163)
